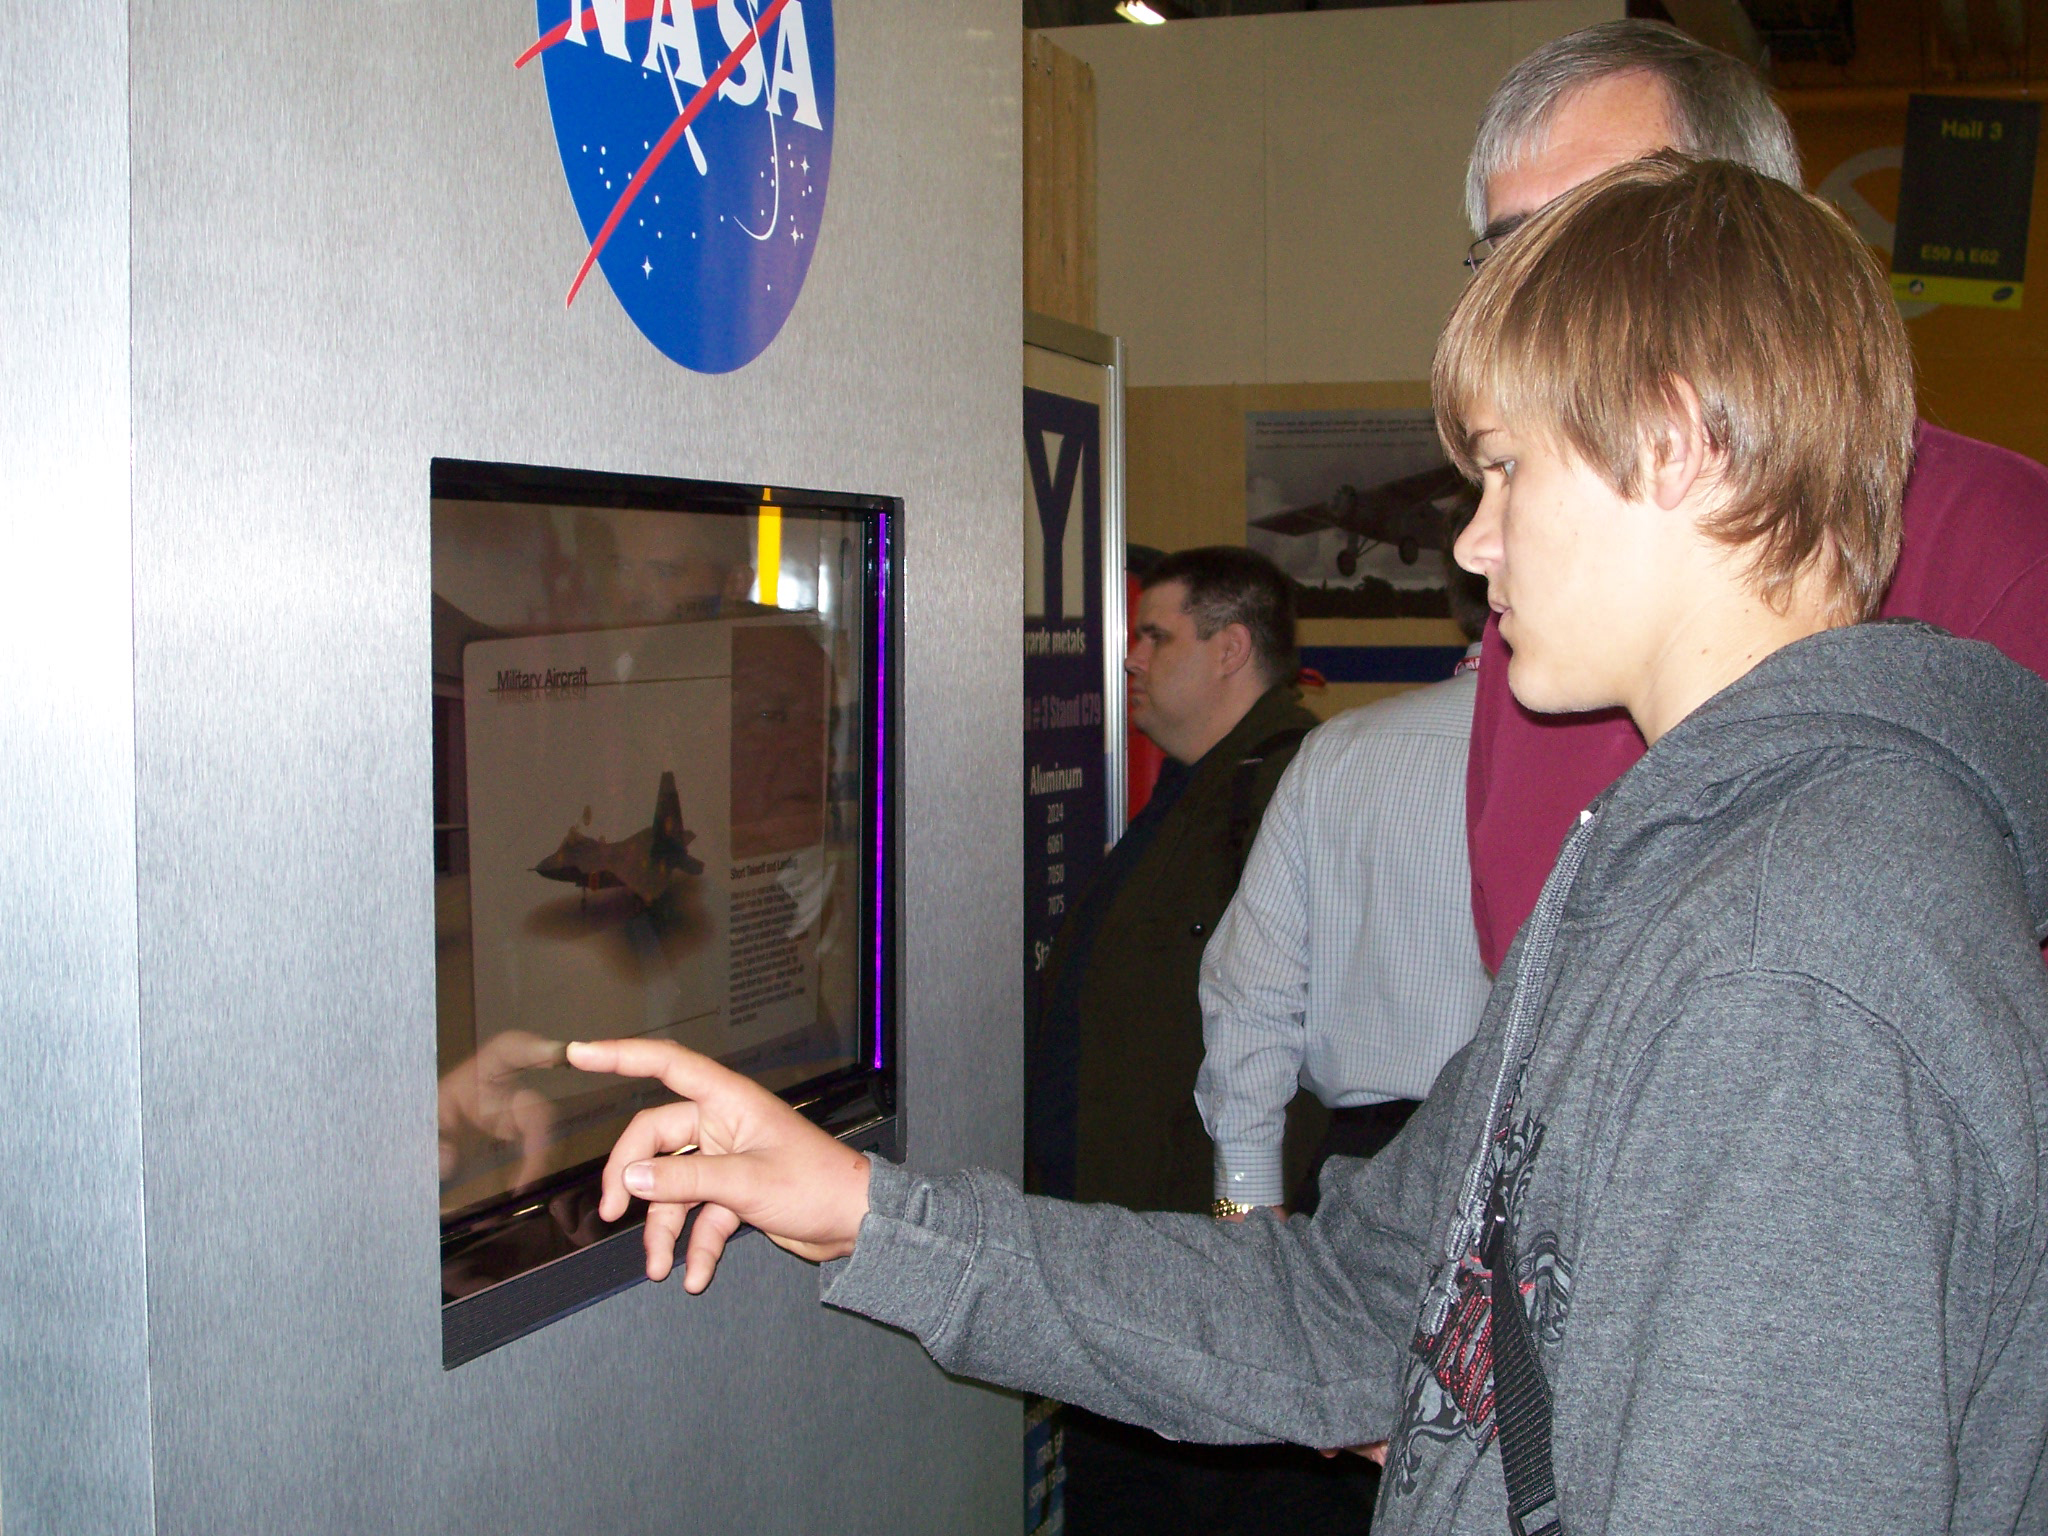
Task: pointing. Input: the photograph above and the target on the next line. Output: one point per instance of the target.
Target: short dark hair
(1227, 584)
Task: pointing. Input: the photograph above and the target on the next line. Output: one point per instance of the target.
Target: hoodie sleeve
(1201, 1330)
(1784, 1298)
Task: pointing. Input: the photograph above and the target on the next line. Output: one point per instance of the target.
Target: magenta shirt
(1974, 561)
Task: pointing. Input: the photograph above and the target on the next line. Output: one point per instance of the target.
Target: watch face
(697, 144)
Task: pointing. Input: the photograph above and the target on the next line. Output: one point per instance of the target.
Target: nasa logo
(706, 250)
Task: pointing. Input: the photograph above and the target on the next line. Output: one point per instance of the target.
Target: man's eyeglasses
(1480, 251)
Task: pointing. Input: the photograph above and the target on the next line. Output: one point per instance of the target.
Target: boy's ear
(1679, 454)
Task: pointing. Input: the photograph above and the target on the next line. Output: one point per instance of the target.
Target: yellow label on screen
(768, 557)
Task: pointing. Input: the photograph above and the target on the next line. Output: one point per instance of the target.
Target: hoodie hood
(1895, 684)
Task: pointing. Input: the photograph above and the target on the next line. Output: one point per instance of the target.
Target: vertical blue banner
(1066, 802)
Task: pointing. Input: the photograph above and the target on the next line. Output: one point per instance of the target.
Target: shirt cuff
(1250, 1176)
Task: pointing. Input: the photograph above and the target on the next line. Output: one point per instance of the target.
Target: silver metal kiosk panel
(74, 1403)
(351, 239)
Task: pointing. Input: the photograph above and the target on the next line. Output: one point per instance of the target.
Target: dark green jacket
(1140, 1137)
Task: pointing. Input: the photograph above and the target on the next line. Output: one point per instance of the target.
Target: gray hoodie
(1775, 1159)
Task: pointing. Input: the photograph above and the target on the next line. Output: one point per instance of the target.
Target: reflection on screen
(648, 821)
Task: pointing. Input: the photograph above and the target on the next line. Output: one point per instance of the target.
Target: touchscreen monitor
(661, 808)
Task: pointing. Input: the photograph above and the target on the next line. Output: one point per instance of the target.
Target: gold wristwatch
(1223, 1209)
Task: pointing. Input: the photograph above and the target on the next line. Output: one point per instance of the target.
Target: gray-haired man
(1609, 93)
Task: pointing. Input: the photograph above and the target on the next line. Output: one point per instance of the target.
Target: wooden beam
(1059, 183)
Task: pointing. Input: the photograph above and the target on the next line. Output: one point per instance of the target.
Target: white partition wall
(1312, 227)
(271, 260)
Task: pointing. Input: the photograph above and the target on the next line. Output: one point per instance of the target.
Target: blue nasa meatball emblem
(697, 141)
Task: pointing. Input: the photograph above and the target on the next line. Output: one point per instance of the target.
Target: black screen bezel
(857, 1104)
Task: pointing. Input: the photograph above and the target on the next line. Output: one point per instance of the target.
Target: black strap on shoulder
(1246, 773)
(1521, 1397)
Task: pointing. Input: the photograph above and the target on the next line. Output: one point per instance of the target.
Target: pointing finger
(683, 1070)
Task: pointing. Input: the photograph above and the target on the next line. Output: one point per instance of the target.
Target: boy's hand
(757, 1163)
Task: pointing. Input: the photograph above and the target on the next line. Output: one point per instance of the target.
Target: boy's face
(1576, 572)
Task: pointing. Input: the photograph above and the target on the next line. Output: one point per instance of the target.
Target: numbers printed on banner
(1975, 255)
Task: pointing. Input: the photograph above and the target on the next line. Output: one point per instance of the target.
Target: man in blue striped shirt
(1347, 963)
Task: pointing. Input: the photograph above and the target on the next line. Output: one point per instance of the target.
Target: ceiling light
(1140, 12)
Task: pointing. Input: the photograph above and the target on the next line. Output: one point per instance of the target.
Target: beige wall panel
(1185, 464)
(1180, 196)
(1279, 196)
(1380, 632)
(1369, 120)
(1184, 470)
(1526, 25)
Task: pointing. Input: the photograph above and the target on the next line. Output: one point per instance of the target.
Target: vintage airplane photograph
(1409, 515)
(646, 863)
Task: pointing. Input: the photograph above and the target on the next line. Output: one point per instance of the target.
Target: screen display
(658, 786)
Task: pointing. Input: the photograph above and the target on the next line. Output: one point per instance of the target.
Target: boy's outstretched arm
(1269, 1330)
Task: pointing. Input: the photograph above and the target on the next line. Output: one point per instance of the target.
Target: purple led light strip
(880, 738)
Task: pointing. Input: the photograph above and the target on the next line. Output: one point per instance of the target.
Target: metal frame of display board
(1106, 353)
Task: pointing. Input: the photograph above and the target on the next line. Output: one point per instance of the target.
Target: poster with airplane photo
(599, 832)
(1354, 505)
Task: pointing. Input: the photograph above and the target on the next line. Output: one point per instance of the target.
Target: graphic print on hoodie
(1447, 1386)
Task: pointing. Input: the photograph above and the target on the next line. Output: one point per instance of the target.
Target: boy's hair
(1227, 584)
(1718, 107)
(1669, 272)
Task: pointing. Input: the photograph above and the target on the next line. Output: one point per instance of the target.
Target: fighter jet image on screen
(645, 863)
(1410, 513)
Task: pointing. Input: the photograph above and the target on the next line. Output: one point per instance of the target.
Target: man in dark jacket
(1113, 1057)
(1733, 1216)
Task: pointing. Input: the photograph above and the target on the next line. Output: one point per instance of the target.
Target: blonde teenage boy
(1730, 1217)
